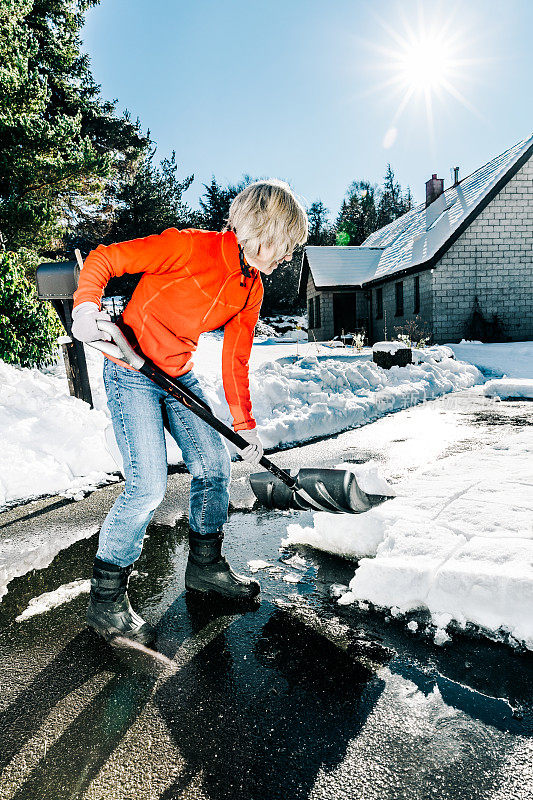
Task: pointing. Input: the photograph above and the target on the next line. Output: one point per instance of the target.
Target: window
(379, 303)
(399, 299)
(417, 294)
(318, 322)
(310, 313)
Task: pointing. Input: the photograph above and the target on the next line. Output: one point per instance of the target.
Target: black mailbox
(57, 281)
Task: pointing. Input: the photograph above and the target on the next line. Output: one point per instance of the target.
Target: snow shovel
(332, 490)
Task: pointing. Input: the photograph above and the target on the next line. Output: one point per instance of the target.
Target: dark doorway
(344, 313)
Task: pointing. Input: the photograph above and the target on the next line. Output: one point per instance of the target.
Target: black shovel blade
(333, 490)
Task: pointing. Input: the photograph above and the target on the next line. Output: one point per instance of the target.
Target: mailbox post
(57, 283)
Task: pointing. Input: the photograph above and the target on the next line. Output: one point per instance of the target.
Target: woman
(193, 281)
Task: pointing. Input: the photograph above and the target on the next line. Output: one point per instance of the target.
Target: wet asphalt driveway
(294, 698)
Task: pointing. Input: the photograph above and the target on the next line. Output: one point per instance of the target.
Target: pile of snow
(456, 543)
(506, 388)
(56, 444)
(314, 397)
(49, 439)
(53, 443)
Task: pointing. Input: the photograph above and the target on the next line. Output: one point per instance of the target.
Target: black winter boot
(208, 571)
(110, 613)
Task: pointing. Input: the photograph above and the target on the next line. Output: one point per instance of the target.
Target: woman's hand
(84, 319)
(254, 452)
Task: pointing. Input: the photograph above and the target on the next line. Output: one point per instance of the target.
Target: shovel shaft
(202, 410)
(122, 348)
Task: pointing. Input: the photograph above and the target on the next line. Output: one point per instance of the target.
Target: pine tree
(150, 200)
(58, 139)
(215, 203)
(357, 217)
(320, 231)
(147, 200)
(391, 204)
(407, 200)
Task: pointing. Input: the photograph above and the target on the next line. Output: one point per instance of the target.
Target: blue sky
(305, 91)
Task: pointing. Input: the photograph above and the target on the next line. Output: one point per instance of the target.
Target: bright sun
(426, 61)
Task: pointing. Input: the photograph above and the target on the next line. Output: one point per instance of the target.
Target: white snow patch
(441, 637)
(49, 600)
(369, 478)
(296, 562)
(337, 589)
(17, 557)
(509, 387)
(508, 359)
(257, 564)
(292, 577)
(389, 347)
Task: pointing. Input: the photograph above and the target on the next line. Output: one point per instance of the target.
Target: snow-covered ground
(55, 444)
(457, 541)
(510, 388)
(513, 360)
(456, 544)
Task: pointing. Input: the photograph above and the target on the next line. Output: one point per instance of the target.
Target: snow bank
(506, 388)
(56, 444)
(314, 397)
(49, 439)
(511, 359)
(456, 543)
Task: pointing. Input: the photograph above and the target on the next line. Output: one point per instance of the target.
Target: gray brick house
(472, 241)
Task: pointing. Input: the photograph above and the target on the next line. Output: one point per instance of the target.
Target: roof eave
(302, 282)
(431, 262)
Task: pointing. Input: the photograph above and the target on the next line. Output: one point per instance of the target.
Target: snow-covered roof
(419, 236)
(341, 266)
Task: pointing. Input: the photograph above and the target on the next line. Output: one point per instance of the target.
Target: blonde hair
(268, 213)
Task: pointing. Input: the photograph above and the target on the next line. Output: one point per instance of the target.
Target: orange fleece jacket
(191, 284)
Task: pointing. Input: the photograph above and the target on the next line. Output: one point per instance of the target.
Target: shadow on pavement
(261, 709)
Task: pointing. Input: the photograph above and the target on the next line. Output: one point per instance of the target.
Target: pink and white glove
(254, 452)
(84, 327)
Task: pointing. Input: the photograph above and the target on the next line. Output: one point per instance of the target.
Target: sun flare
(427, 60)
(426, 63)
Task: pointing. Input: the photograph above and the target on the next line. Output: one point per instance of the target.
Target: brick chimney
(434, 189)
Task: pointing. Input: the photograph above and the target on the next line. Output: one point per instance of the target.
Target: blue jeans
(134, 402)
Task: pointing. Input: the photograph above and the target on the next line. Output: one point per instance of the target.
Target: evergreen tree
(58, 140)
(28, 327)
(357, 217)
(391, 203)
(150, 200)
(215, 203)
(320, 231)
(147, 200)
(407, 200)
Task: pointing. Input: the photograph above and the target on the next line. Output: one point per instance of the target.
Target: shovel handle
(122, 349)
